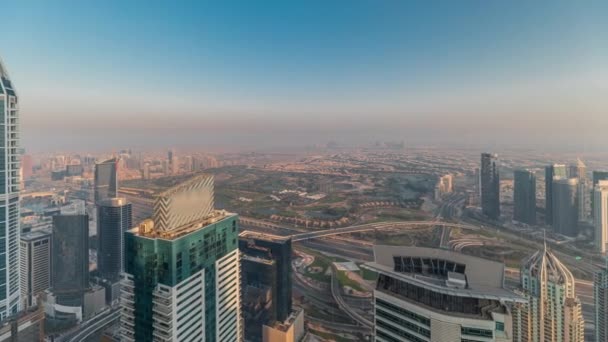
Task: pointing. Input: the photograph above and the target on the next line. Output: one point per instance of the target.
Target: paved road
(91, 326)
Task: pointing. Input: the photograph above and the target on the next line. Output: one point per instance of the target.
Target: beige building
(436, 295)
(292, 330)
(553, 312)
(600, 215)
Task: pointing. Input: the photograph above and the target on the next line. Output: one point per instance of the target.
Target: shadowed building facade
(565, 206)
(106, 180)
(113, 220)
(266, 282)
(490, 186)
(555, 171)
(524, 196)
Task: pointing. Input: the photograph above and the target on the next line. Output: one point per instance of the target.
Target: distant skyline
(275, 73)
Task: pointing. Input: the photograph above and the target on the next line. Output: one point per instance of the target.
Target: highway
(91, 326)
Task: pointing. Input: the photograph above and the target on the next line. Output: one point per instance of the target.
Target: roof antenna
(545, 239)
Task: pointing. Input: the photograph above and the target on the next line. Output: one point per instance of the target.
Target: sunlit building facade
(601, 215)
(553, 312)
(9, 196)
(182, 270)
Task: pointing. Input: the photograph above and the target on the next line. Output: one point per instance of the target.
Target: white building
(600, 216)
(428, 295)
(10, 293)
(35, 265)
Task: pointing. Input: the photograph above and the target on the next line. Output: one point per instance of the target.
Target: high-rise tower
(601, 215)
(552, 172)
(113, 220)
(490, 186)
(600, 300)
(565, 206)
(524, 197)
(9, 196)
(106, 180)
(182, 270)
(553, 312)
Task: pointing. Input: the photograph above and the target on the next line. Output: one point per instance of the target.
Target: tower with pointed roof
(9, 196)
(553, 311)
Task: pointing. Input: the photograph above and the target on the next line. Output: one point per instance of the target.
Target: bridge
(379, 226)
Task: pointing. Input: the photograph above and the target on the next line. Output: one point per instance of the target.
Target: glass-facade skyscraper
(552, 172)
(182, 271)
(106, 180)
(9, 196)
(113, 220)
(524, 196)
(490, 186)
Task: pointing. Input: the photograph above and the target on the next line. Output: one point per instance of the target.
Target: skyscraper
(427, 294)
(490, 186)
(113, 220)
(597, 176)
(600, 299)
(35, 265)
(579, 170)
(182, 270)
(266, 268)
(552, 172)
(9, 206)
(601, 215)
(553, 312)
(70, 255)
(106, 180)
(524, 196)
(565, 206)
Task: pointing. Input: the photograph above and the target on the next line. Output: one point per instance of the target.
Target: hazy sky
(153, 73)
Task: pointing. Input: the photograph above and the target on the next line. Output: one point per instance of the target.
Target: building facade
(106, 180)
(266, 281)
(595, 178)
(524, 196)
(601, 215)
(426, 294)
(182, 271)
(35, 265)
(490, 186)
(552, 172)
(70, 261)
(113, 220)
(553, 312)
(600, 301)
(9, 196)
(565, 206)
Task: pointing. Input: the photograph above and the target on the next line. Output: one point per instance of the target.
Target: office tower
(35, 265)
(9, 206)
(597, 176)
(444, 186)
(579, 170)
(490, 186)
(182, 270)
(565, 206)
(552, 172)
(427, 294)
(266, 282)
(553, 312)
(106, 180)
(70, 255)
(601, 215)
(600, 300)
(113, 220)
(524, 196)
(146, 171)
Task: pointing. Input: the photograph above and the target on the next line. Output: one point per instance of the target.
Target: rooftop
(146, 227)
(35, 235)
(460, 274)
